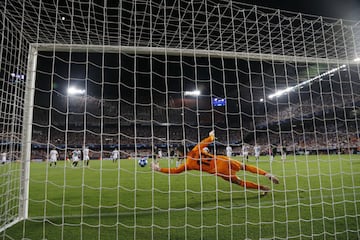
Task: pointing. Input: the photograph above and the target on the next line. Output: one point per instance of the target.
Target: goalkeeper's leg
(245, 184)
(223, 169)
(259, 171)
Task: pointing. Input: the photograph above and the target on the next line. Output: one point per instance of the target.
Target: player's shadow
(234, 201)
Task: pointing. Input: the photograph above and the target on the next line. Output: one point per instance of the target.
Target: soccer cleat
(263, 194)
(272, 178)
(264, 191)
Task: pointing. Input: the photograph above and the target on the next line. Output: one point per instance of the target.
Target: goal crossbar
(188, 52)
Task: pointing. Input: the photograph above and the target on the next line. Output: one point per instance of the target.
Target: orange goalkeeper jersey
(197, 159)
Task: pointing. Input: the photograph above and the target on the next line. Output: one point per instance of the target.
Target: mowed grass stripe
(139, 211)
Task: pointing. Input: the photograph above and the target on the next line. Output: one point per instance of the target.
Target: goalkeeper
(222, 166)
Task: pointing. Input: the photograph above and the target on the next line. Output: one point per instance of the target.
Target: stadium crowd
(309, 108)
(316, 125)
(144, 140)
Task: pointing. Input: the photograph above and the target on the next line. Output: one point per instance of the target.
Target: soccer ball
(142, 162)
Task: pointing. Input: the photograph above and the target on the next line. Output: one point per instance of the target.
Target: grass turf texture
(318, 197)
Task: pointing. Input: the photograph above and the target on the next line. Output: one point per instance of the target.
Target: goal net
(147, 80)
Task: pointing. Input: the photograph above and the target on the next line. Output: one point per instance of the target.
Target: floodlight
(281, 92)
(192, 93)
(18, 76)
(75, 91)
(301, 85)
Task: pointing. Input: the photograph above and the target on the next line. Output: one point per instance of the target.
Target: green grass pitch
(318, 198)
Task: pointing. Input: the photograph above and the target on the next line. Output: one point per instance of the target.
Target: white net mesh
(118, 79)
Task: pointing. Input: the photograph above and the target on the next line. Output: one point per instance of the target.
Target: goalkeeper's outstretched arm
(194, 155)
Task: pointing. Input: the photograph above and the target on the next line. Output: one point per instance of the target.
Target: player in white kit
(75, 157)
(229, 151)
(3, 157)
(257, 151)
(86, 158)
(245, 152)
(115, 155)
(283, 153)
(160, 154)
(53, 157)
